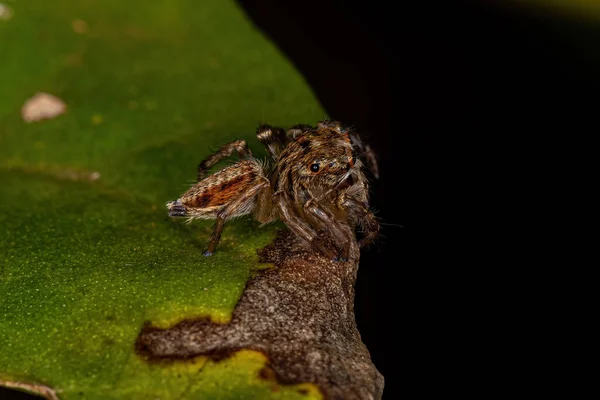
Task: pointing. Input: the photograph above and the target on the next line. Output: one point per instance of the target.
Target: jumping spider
(315, 185)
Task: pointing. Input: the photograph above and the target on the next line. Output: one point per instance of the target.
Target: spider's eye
(314, 167)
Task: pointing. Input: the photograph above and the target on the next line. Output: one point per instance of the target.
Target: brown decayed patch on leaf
(300, 315)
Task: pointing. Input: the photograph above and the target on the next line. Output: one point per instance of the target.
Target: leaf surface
(87, 251)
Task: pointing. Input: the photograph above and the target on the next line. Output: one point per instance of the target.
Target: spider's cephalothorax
(316, 186)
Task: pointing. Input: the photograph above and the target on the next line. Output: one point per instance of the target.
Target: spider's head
(325, 155)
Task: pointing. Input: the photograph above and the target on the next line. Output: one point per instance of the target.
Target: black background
(471, 107)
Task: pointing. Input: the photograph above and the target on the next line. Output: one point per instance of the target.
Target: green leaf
(87, 251)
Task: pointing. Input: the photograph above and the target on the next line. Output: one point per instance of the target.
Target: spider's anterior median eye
(314, 167)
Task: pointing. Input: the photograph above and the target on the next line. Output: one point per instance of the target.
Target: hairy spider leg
(272, 138)
(328, 220)
(225, 151)
(300, 227)
(365, 152)
(366, 219)
(230, 210)
(297, 130)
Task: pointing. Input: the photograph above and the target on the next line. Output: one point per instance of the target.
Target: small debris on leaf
(6, 12)
(42, 106)
(97, 119)
(80, 26)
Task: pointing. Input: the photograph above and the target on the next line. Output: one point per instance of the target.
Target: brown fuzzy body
(206, 198)
(317, 187)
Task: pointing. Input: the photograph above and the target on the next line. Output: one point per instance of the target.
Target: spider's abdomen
(207, 197)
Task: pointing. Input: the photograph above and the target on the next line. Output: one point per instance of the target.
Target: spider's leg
(215, 237)
(303, 230)
(273, 138)
(367, 221)
(237, 145)
(296, 130)
(332, 226)
(371, 227)
(365, 152)
(329, 124)
(238, 206)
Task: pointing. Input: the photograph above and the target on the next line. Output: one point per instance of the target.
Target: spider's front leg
(365, 152)
(297, 130)
(237, 145)
(272, 138)
(366, 219)
(341, 237)
(302, 229)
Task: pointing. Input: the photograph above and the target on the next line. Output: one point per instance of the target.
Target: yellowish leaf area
(245, 378)
(243, 375)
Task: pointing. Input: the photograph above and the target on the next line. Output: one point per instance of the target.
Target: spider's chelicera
(315, 184)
